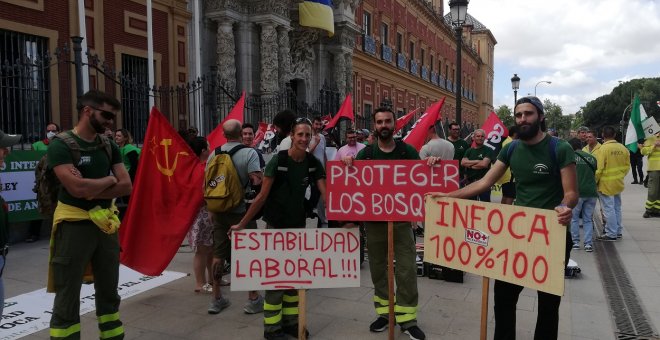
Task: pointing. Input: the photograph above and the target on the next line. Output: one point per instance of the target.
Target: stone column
(269, 59)
(339, 74)
(226, 53)
(349, 71)
(284, 56)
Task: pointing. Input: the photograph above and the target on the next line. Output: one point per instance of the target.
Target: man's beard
(384, 134)
(96, 125)
(528, 131)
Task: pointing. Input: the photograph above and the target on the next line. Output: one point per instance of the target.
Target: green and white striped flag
(635, 131)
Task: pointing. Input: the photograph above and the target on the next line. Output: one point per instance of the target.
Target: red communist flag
(345, 112)
(402, 121)
(418, 133)
(217, 136)
(166, 197)
(495, 131)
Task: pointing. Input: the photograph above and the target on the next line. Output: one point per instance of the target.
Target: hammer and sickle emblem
(167, 170)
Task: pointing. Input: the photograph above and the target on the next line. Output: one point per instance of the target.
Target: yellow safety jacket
(106, 219)
(592, 152)
(613, 165)
(652, 152)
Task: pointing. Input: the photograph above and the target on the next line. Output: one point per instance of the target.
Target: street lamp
(515, 85)
(458, 10)
(537, 84)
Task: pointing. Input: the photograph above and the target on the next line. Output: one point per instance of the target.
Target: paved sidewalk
(447, 310)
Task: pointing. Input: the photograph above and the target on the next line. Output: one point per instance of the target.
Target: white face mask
(50, 134)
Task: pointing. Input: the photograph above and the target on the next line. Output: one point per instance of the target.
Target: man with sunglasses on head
(85, 223)
(544, 181)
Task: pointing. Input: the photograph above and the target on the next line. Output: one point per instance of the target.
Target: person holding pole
(543, 168)
(405, 309)
(285, 181)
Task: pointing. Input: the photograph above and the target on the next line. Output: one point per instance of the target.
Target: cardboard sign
(269, 259)
(382, 190)
(524, 246)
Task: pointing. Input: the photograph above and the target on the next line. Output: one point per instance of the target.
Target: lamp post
(537, 84)
(515, 85)
(458, 10)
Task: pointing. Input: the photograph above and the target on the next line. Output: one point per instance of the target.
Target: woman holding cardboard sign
(286, 178)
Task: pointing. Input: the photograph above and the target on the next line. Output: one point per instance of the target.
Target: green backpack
(47, 185)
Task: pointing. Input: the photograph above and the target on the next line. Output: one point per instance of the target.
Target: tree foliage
(505, 114)
(609, 109)
(555, 119)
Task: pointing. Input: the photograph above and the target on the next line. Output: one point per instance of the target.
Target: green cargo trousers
(280, 310)
(77, 244)
(405, 275)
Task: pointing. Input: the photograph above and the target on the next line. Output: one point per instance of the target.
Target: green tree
(609, 109)
(554, 118)
(505, 114)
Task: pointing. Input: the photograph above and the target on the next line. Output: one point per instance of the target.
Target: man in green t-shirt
(90, 180)
(460, 145)
(476, 162)
(386, 148)
(586, 167)
(543, 181)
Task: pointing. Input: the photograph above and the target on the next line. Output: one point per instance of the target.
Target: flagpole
(150, 54)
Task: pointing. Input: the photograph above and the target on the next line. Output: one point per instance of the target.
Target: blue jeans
(585, 206)
(612, 210)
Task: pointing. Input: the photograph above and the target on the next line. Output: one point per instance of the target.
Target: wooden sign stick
(302, 318)
(390, 276)
(485, 287)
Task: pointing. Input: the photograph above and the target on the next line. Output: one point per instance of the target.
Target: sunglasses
(302, 120)
(108, 115)
(455, 129)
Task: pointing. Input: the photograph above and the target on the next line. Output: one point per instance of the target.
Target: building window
(366, 23)
(431, 63)
(399, 42)
(384, 34)
(368, 110)
(412, 50)
(24, 85)
(422, 55)
(134, 95)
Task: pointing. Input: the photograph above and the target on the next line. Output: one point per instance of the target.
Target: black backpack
(282, 179)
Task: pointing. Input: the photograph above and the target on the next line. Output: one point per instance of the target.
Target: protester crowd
(96, 175)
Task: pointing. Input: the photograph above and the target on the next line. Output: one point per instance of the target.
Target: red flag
(260, 133)
(167, 195)
(496, 132)
(401, 122)
(326, 119)
(217, 136)
(345, 112)
(418, 133)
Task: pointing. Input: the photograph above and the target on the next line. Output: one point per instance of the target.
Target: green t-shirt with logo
(285, 205)
(537, 177)
(477, 154)
(586, 173)
(93, 164)
(460, 146)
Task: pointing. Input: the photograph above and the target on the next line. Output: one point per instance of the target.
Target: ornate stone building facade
(258, 47)
(395, 52)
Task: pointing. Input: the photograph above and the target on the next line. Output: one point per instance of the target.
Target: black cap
(531, 100)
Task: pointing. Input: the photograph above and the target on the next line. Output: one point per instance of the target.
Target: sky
(583, 47)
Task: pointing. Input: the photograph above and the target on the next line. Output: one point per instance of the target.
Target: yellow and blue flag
(317, 13)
